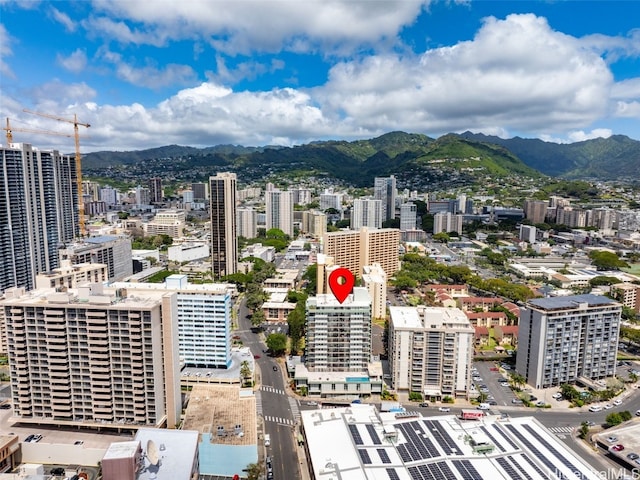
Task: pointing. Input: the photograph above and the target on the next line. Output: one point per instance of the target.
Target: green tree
(258, 317)
(613, 419)
(442, 237)
(254, 471)
(584, 430)
(517, 380)
(277, 343)
(605, 260)
(245, 373)
(310, 276)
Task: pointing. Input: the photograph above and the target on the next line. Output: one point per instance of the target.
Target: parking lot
(493, 381)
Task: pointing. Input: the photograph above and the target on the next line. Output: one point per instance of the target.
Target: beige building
(430, 351)
(627, 294)
(314, 224)
(375, 280)
(93, 357)
(167, 222)
(355, 249)
(71, 276)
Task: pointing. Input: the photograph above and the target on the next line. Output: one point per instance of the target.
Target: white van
(484, 406)
(267, 439)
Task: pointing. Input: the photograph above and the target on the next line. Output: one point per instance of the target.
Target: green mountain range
(417, 160)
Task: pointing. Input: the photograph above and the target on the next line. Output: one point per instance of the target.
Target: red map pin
(341, 282)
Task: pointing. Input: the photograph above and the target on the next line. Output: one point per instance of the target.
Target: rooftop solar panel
(543, 458)
(355, 434)
(564, 460)
(492, 438)
(393, 475)
(535, 467)
(384, 456)
(364, 456)
(374, 435)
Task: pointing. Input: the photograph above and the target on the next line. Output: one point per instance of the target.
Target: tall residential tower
(224, 239)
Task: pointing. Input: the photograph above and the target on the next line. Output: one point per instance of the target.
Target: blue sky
(206, 72)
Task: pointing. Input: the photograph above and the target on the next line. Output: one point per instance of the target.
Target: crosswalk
(295, 410)
(267, 388)
(561, 430)
(279, 420)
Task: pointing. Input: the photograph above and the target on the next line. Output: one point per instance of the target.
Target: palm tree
(245, 373)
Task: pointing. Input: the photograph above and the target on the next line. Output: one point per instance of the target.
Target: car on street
(608, 406)
(5, 406)
(617, 402)
(637, 413)
(595, 408)
(444, 409)
(311, 403)
(617, 448)
(424, 405)
(79, 442)
(590, 423)
(275, 369)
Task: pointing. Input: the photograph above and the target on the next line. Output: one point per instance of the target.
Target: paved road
(279, 412)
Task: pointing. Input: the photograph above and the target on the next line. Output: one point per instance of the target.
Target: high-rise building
(224, 239)
(535, 210)
(339, 334)
(384, 188)
(563, 339)
(199, 191)
(301, 196)
(355, 249)
(203, 316)
(93, 357)
(109, 195)
(279, 207)
(38, 211)
(375, 280)
(329, 199)
(408, 216)
(247, 222)
(366, 212)
(446, 222)
(430, 351)
(167, 222)
(113, 251)
(142, 196)
(527, 233)
(155, 190)
(314, 223)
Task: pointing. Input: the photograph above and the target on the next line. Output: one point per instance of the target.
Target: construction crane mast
(76, 135)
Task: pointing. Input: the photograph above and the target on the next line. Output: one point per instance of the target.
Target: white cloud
(614, 48)
(247, 26)
(580, 136)
(249, 70)
(150, 76)
(515, 73)
(628, 109)
(5, 51)
(76, 62)
(63, 18)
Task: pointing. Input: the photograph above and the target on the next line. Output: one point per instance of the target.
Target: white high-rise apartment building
(384, 188)
(279, 207)
(38, 211)
(339, 334)
(331, 200)
(366, 212)
(562, 339)
(447, 222)
(224, 235)
(247, 222)
(109, 195)
(203, 316)
(93, 357)
(430, 351)
(408, 216)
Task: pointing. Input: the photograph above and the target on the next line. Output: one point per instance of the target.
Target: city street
(278, 411)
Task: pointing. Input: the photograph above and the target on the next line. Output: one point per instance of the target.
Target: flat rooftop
(176, 449)
(226, 406)
(357, 442)
(572, 301)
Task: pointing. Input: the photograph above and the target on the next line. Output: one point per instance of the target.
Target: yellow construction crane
(76, 135)
(9, 132)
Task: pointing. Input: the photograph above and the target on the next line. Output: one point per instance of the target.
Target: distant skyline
(287, 72)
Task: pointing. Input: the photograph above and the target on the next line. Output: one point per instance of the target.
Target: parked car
(311, 403)
(540, 403)
(275, 369)
(633, 456)
(617, 448)
(556, 395)
(617, 402)
(637, 413)
(516, 401)
(424, 404)
(608, 406)
(444, 409)
(612, 439)
(595, 408)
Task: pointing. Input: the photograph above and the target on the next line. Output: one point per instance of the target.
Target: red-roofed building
(453, 290)
(506, 335)
(513, 308)
(487, 319)
(481, 336)
(470, 304)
